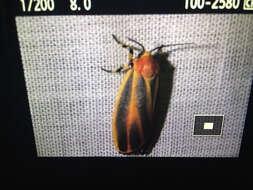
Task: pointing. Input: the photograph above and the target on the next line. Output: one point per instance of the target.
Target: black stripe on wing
(122, 113)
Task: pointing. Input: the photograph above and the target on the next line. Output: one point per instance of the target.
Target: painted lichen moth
(134, 108)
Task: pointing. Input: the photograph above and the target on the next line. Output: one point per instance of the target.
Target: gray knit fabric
(71, 100)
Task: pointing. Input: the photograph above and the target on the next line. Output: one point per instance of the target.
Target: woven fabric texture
(71, 100)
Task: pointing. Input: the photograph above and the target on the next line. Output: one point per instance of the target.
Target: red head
(146, 65)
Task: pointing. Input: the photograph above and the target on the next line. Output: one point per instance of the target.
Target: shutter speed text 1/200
(49, 5)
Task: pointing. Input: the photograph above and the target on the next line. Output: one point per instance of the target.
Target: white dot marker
(208, 126)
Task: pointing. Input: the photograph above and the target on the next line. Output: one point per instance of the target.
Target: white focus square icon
(208, 126)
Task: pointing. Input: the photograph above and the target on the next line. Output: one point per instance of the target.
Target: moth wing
(133, 111)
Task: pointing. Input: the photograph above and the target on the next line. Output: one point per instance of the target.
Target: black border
(23, 163)
(124, 7)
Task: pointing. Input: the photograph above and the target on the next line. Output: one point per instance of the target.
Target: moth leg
(125, 66)
(125, 45)
(120, 69)
(130, 48)
(130, 56)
